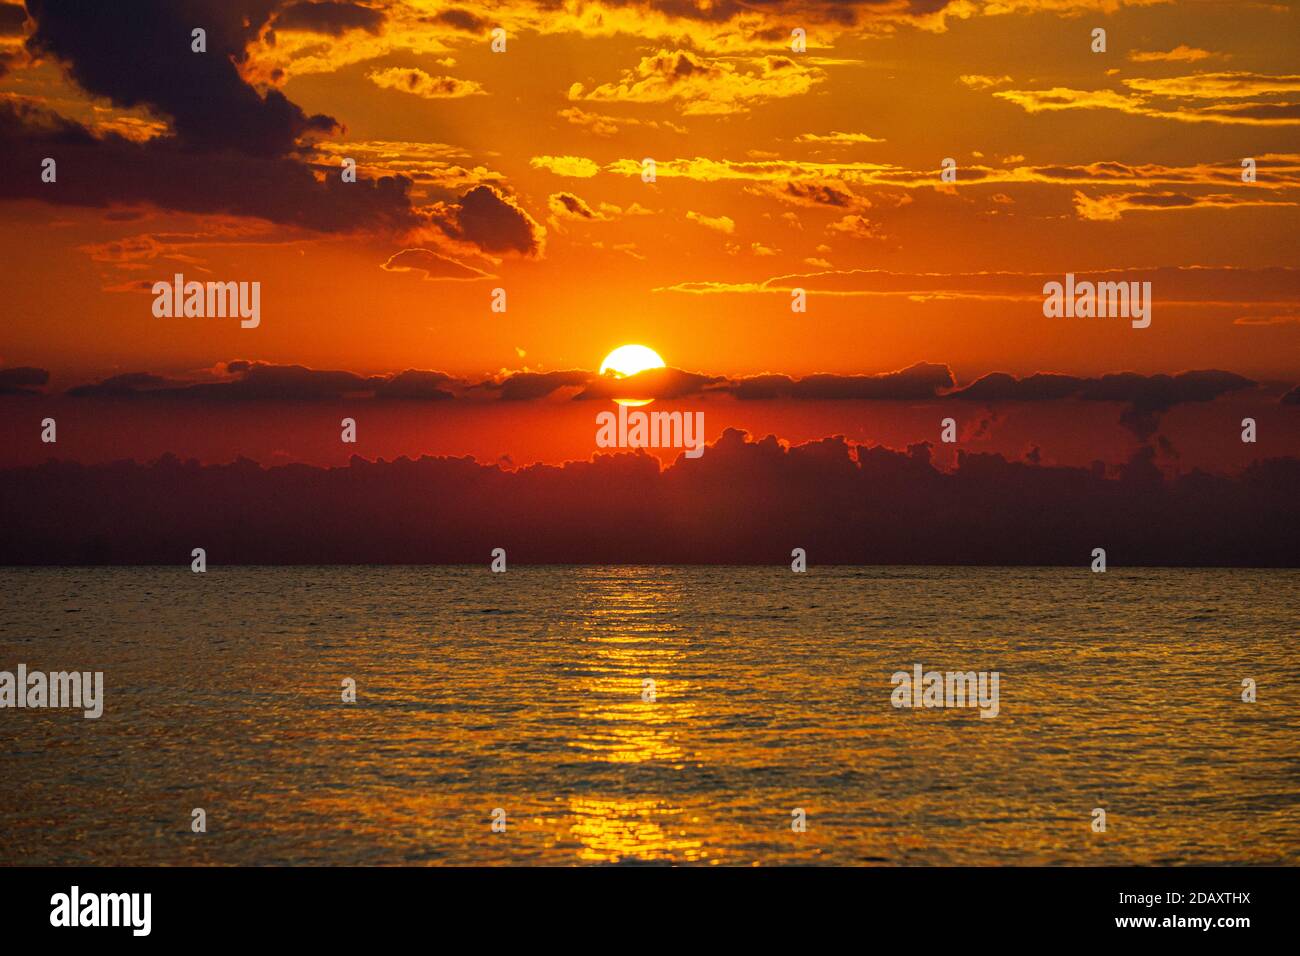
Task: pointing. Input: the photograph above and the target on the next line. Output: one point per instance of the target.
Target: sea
(731, 716)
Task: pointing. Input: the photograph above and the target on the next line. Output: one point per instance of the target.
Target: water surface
(523, 691)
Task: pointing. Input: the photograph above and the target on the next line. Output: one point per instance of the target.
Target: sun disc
(628, 360)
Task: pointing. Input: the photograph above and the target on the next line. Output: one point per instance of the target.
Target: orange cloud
(419, 83)
(577, 167)
(703, 87)
(1109, 208)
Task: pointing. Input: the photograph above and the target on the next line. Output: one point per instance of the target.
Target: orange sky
(775, 169)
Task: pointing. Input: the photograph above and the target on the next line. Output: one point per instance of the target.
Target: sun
(628, 360)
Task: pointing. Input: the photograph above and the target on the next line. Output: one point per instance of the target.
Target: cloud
(857, 227)
(522, 386)
(204, 96)
(1147, 396)
(652, 383)
(436, 164)
(1179, 54)
(919, 381)
(604, 126)
(812, 194)
(716, 223)
(462, 20)
(12, 18)
(434, 266)
(703, 86)
(228, 148)
(836, 138)
(774, 175)
(1112, 206)
(128, 385)
(492, 221)
(22, 380)
(329, 17)
(576, 167)
(165, 174)
(978, 81)
(568, 206)
(415, 384)
(742, 502)
(418, 83)
(1217, 86)
(1176, 98)
(261, 381)
(1203, 285)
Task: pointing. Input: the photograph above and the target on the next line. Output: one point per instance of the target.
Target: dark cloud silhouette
(141, 56)
(229, 149)
(1147, 396)
(520, 386)
(12, 18)
(744, 501)
(922, 380)
(1292, 397)
(22, 380)
(1001, 387)
(125, 386)
(262, 381)
(652, 383)
(112, 171)
(573, 206)
(330, 17)
(416, 384)
(492, 221)
(461, 20)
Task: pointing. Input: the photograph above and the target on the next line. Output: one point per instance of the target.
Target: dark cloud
(575, 207)
(330, 17)
(1147, 396)
(1001, 387)
(261, 381)
(112, 171)
(230, 148)
(461, 20)
(919, 381)
(520, 386)
(125, 386)
(652, 383)
(22, 380)
(416, 384)
(492, 221)
(141, 56)
(1292, 397)
(1151, 395)
(12, 18)
(742, 502)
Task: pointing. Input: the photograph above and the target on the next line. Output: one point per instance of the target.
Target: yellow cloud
(704, 87)
(977, 81)
(836, 138)
(1204, 86)
(1217, 85)
(717, 223)
(419, 83)
(1111, 207)
(577, 167)
(1179, 54)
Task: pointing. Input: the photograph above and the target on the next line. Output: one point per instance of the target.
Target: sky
(523, 169)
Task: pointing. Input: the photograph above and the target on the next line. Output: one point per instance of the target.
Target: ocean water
(523, 691)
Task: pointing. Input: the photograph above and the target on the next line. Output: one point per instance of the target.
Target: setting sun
(628, 360)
